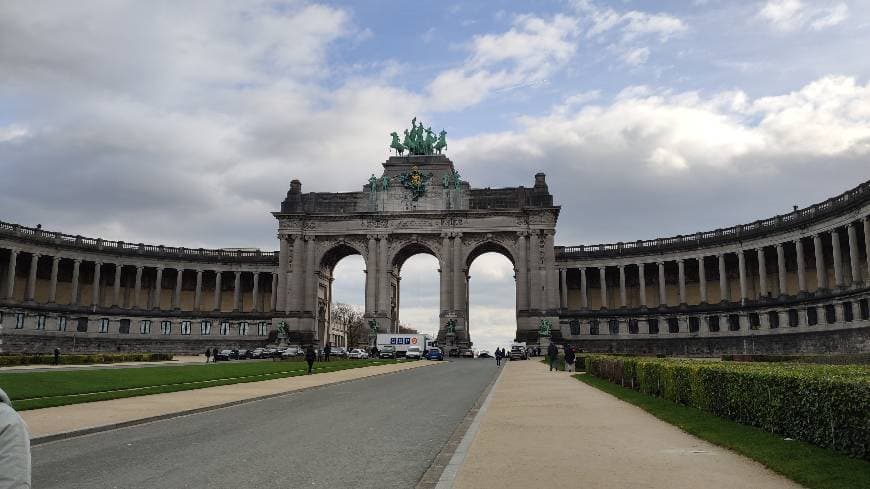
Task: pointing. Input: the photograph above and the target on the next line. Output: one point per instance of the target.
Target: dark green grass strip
(812, 466)
(47, 389)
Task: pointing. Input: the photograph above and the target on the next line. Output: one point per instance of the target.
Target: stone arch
(489, 245)
(407, 249)
(334, 252)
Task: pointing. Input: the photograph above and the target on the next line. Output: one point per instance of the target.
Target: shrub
(81, 359)
(822, 404)
(834, 359)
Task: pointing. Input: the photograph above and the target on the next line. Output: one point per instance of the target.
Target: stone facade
(798, 282)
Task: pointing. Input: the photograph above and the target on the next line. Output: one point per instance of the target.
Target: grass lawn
(35, 390)
(807, 464)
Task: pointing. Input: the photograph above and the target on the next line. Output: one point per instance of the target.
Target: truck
(402, 342)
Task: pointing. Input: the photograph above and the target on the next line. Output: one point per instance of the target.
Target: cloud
(791, 15)
(636, 57)
(640, 165)
(13, 132)
(533, 48)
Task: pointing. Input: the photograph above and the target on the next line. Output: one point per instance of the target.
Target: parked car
(483, 354)
(258, 353)
(358, 354)
(292, 351)
(244, 354)
(413, 353)
(518, 353)
(339, 352)
(434, 354)
(466, 353)
(387, 351)
(223, 356)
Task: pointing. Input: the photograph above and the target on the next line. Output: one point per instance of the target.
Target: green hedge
(836, 359)
(826, 405)
(75, 359)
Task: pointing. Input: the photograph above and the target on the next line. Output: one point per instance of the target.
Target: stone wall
(839, 341)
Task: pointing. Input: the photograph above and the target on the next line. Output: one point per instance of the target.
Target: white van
(413, 353)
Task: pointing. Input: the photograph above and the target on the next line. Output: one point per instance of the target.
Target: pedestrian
(553, 354)
(569, 358)
(326, 351)
(14, 447)
(375, 351)
(57, 356)
(207, 354)
(310, 355)
(497, 357)
(214, 353)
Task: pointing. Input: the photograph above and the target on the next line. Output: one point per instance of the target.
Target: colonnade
(789, 256)
(154, 298)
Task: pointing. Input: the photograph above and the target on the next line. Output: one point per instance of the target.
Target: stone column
(623, 300)
(30, 291)
(52, 289)
(702, 280)
(838, 258)
(384, 272)
(641, 277)
(237, 287)
(801, 266)
(522, 273)
(663, 291)
(371, 274)
(136, 288)
(176, 295)
(762, 274)
(158, 288)
(197, 294)
(279, 290)
(854, 263)
(310, 275)
(563, 283)
(10, 274)
(724, 293)
(217, 291)
(95, 292)
(274, 302)
(551, 280)
(297, 267)
(867, 245)
(74, 286)
(116, 292)
(584, 297)
(534, 271)
(458, 275)
(780, 270)
(444, 277)
(821, 270)
(602, 275)
(681, 277)
(255, 294)
(741, 270)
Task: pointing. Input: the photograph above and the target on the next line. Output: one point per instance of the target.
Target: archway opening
(492, 300)
(418, 305)
(341, 322)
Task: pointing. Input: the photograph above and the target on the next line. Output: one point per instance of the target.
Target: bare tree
(404, 329)
(350, 319)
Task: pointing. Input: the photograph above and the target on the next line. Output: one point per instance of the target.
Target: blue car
(434, 354)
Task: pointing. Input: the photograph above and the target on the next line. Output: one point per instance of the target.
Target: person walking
(375, 352)
(498, 355)
(326, 351)
(207, 354)
(569, 358)
(14, 447)
(553, 354)
(57, 356)
(310, 355)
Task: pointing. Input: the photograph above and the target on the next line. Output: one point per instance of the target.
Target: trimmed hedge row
(837, 359)
(74, 359)
(826, 405)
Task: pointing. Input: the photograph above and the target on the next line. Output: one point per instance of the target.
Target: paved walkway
(545, 429)
(105, 414)
(177, 360)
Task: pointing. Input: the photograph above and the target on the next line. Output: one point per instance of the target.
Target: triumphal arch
(418, 204)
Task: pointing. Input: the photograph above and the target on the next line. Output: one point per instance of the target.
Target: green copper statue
(457, 183)
(385, 183)
(399, 147)
(419, 140)
(373, 183)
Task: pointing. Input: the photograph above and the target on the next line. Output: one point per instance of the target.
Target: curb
(434, 475)
(64, 435)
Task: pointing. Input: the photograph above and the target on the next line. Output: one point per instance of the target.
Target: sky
(182, 123)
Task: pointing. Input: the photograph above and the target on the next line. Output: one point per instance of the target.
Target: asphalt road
(381, 432)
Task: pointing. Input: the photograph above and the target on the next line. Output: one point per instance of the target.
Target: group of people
(553, 357)
(499, 354)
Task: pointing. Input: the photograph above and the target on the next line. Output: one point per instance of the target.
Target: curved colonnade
(89, 294)
(799, 282)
